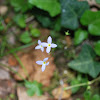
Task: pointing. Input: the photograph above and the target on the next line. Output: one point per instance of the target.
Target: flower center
(44, 63)
(49, 45)
(41, 46)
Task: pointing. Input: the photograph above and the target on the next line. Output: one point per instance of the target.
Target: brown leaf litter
(12, 61)
(60, 93)
(34, 71)
(43, 77)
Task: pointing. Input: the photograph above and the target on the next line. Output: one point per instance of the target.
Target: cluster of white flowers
(41, 46)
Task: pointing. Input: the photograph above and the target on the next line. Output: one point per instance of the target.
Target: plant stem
(22, 47)
(23, 67)
(19, 48)
(12, 70)
(82, 84)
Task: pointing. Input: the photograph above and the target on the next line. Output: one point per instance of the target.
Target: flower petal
(42, 49)
(53, 45)
(38, 47)
(39, 42)
(45, 59)
(48, 49)
(39, 62)
(49, 40)
(47, 63)
(43, 67)
(44, 44)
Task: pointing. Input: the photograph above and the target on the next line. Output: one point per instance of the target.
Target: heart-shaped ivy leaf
(80, 35)
(97, 48)
(71, 12)
(52, 6)
(33, 87)
(85, 62)
(92, 22)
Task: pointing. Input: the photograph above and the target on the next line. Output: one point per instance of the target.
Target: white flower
(40, 46)
(49, 44)
(43, 63)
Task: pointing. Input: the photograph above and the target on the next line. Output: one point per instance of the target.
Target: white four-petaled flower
(43, 63)
(40, 46)
(49, 44)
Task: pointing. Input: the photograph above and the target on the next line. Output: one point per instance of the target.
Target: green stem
(12, 70)
(23, 67)
(82, 84)
(19, 48)
(22, 47)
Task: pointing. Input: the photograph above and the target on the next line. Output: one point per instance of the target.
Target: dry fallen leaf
(22, 95)
(7, 20)
(57, 92)
(38, 75)
(34, 70)
(28, 64)
(12, 61)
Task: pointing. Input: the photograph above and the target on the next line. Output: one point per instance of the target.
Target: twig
(29, 19)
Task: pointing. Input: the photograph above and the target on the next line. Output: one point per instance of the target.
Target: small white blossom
(49, 44)
(43, 63)
(39, 46)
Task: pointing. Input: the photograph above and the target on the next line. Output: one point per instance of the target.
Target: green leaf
(25, 37)
(87, 95)
(80, 35)
(92, 22)
(46, 19)
(39, 91)
(33, 87)
(28, 84)
(98, 1)
(52, 6)
(85, 63)
(94, 28)
(35, 32)
(22, 5)
(31, 92)
(57, 24)
(72, 10)
(74, 82)
(78, 80)
(20, 20)
(1, 27)
(78, 99)
(97, 47)
(52, 23)
(96, 97)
